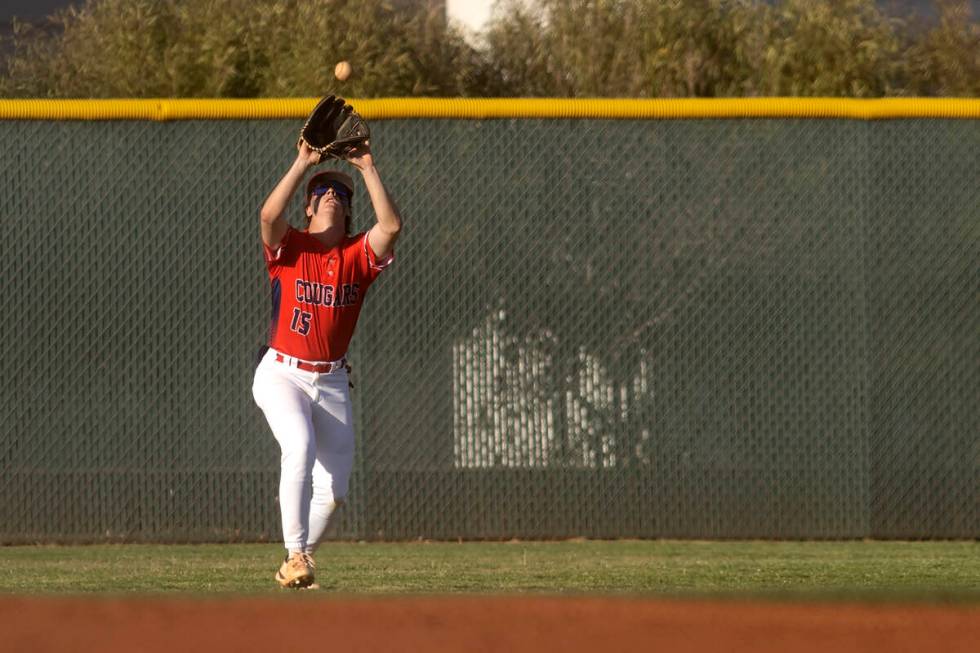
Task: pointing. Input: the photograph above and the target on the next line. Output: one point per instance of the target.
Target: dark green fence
(724, 328)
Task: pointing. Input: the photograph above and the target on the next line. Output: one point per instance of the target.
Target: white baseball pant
(310, 417)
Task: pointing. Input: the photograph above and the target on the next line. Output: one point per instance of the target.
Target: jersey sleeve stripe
(276, 304)
(372, 259)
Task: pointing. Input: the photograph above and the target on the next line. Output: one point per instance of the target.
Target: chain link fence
(602, 328)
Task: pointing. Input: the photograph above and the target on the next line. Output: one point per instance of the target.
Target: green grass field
(873, 571)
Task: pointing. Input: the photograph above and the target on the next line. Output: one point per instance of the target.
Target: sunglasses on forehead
(322, 187)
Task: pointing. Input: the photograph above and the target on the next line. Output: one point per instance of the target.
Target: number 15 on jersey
(300, 322)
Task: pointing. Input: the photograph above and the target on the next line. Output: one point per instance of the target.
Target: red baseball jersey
(317, 293)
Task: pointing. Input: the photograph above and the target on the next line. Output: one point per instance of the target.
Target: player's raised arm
(272, 223)
(383, 235)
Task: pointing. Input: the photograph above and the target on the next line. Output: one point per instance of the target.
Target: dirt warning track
(432, 624)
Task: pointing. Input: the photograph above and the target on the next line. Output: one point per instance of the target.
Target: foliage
(232, 48)
(562, 48)
(697, 48)
(844, 48)
(945, 60)
(621, 47)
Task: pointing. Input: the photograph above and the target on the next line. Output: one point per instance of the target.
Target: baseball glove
(334, 129)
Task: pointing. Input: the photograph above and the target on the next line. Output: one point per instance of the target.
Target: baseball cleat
(296, 571)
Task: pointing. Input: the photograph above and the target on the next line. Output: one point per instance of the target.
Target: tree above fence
(548, 48)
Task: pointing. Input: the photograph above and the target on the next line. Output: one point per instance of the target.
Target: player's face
(329, 196)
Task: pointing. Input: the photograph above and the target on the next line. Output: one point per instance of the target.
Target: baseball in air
(342, 70)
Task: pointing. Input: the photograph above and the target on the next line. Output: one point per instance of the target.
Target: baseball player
(319, 278)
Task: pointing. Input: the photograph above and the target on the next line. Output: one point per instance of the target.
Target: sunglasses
(337, 187)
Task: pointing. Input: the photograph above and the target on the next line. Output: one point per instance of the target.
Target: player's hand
(360, 157)
(306, 155)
